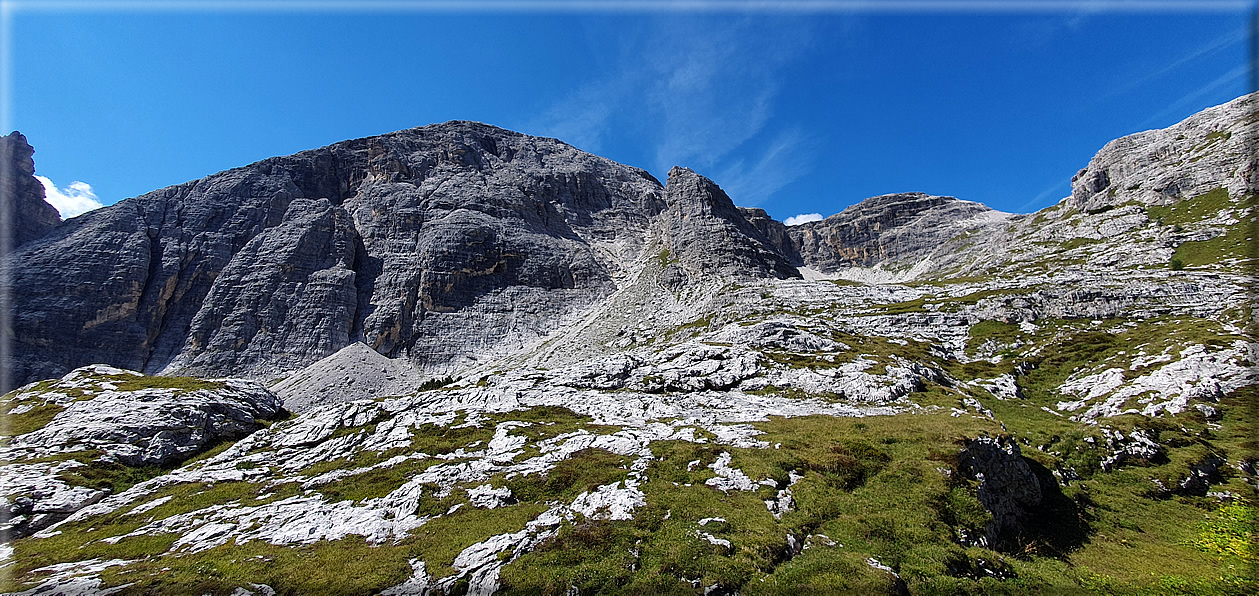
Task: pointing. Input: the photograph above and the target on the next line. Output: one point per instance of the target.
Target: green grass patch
(30, 420)
(1078, 242)
(436, 383)
(1232, 244)
(439, 541)
(441, 440)
(374, 483)
(665, 258)
(1193, 210)
(997, 331)
(583, 471)
(345, 567)
(111, 476)
(909, 306)
(1231, 533)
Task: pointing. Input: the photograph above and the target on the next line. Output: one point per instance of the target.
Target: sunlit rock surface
(519, 368)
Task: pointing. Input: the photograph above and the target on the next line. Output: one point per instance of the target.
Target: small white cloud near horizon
(73, 200)
(803, 218)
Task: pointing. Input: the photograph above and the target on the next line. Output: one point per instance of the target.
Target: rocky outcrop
(138, 420)
(707, 237)
(434, 243)
(1211, 149)
(891, 230)
(1008, 489)
(103, 418)
(31, 216)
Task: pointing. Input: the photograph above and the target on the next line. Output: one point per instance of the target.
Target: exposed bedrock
(906, 227)
(31, 216)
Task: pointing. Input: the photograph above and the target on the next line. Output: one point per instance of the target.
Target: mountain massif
(459, 359)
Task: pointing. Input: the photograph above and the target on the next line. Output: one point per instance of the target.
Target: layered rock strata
(30, 216)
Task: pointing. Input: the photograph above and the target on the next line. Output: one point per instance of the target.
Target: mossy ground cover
(374, 483)
(886, 488)
(1234, 243)
(1193, 210)
(28, 419)
(582, 471)
(871, 485)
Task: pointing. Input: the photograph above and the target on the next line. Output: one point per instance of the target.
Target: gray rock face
(32, 216)
(441, 245)
(709, 237)
(774, 231)
(290, 292)
(404, 241)
(890, 229)
(1008, 488)
(122, 284)
(148, 426)
(1213, 148)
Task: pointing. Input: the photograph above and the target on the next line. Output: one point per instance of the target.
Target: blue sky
(799, 112)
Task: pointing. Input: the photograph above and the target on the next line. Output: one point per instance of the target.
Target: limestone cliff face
(892, 229)
(32, 216)
(774, 231)
(707, 236)
(454, 244)
(1211, 149)
(441, 244)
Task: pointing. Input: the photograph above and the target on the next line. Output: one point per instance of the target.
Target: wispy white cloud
(1234, 37)
(710, 94)
(75, 199)
(700, 97)
(777, 164)
(1042, 200)
(803, 218)
(1233, 76)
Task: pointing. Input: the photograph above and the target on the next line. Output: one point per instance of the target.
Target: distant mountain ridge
(454, 242)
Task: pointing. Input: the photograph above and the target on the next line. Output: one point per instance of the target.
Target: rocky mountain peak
(887, 230)
(1211, 149)
(32, 216)
(528, 369)
(414, 243)
(709, 237)
(693, 194)
(891, 209)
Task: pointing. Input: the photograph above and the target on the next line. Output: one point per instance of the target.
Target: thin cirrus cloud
(70, 201)
(776, 164)
(699, 98)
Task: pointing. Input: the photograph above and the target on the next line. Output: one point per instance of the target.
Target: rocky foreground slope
(497, 364)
